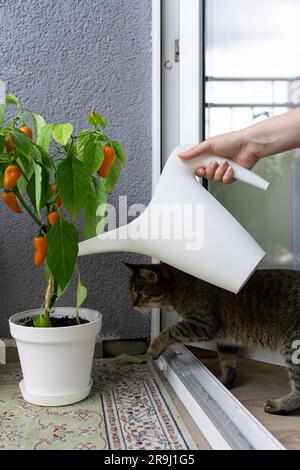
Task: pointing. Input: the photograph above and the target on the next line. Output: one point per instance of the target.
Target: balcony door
(225, 65)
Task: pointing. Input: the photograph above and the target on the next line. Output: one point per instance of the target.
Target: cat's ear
(133, 268)
(149, 275)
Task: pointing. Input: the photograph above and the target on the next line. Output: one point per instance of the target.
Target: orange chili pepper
(11, 176)
(58, 200)
(40, 245)
(9, 145)
(27, 131)
(10, 199)
(52, 217)
(109, 159)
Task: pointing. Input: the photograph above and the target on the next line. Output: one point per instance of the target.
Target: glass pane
(252, 73)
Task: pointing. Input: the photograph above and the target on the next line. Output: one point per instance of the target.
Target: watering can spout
(212, 246)
(107, 242)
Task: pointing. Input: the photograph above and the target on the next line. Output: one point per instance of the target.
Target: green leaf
(22, 184)
(46, 159)
(71, 149)
(100, 189)
(119, 151)
(60, 292)
(82, 138)
(38, 123)
(1, 115)
(38, 188)
(94, 210)
(48, 273)
(86, 132)
(112, 179)
(22, 142)
(92, 155)
(81, 294)
(26, 165)
(36, 154)
(93, 216)
(102, 137)
(44, 137)
(90, 219)
(95, 119)
(62, 132)
(41, 322)
(38, 184)
(62, 251)
(73, 184)
(12, 99)
(2, 142)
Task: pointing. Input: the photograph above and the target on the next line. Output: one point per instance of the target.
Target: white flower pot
(56, 362)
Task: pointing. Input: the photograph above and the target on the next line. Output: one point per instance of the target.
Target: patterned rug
(128, 408)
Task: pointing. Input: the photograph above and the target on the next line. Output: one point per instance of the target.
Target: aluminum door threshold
(222, 419)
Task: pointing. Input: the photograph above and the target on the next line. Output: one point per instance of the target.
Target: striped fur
(265, 313)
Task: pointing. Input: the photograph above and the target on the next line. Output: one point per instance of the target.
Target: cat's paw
(271, 406)
(152, 354)
(229, 379)
(277, 407)
(284, 405)
(130, 359)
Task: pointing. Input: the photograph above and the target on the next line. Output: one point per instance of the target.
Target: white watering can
(203, 238)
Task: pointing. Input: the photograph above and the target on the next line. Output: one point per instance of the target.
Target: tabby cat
(265, 313)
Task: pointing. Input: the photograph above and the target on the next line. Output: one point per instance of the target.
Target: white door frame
(191, 71)
(156, 124)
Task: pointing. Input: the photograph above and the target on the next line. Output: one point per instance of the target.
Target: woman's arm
(247, 146)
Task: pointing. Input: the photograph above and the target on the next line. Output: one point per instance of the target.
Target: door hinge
(177, 50)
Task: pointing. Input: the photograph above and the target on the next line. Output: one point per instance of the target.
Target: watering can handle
(240, 173)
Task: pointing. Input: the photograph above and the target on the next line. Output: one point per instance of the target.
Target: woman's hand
(233, 146)
(245, 147)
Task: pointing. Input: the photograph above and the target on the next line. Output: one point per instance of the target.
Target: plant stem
(50, 296)
(28, 210)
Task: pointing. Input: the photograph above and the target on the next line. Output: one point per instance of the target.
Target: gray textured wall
(62, 58)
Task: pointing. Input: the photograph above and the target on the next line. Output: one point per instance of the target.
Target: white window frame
(178, 118)
(191, 71)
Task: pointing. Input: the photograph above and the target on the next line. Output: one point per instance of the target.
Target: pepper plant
(52, 175)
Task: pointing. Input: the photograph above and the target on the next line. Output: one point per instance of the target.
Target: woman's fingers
(201, 172)
(220, 173)
(210, 170)
(228, 177)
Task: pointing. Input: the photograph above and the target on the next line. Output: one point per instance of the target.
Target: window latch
(177, 50)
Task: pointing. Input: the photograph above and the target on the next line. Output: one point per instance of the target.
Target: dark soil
(59, 322)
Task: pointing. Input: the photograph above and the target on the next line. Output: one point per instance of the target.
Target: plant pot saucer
(55, 400)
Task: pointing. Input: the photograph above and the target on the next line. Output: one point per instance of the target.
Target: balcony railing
(280, 93)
